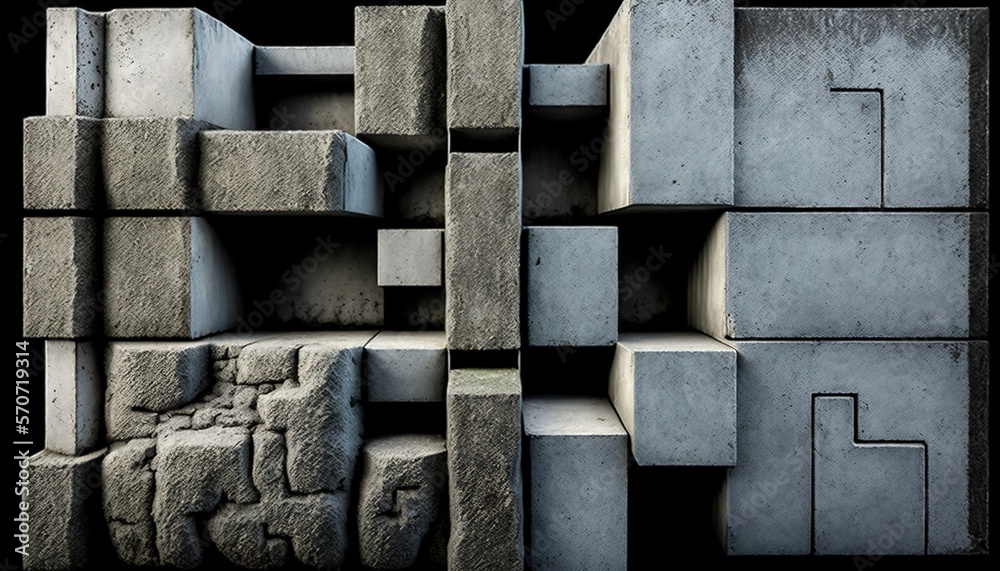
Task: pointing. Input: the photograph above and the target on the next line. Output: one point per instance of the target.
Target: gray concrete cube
(406, 366)
(74, 399)
(410, 257)
(74, 63)
(61, 162)
(60, 277)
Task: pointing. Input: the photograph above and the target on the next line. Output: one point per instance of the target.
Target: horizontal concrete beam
(309, 60)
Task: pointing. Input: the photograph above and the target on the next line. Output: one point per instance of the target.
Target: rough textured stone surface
(668, 146)
(61, 163)
(410, 257)
(306, 60)
(292, 172)
(567, 92)
(74, 62)
(402, 496)
(484, 470)
(406, 366)
(483, 251)
(73, 403)
(578, 453)
(129, 486)
(60, 275)
(399, 84)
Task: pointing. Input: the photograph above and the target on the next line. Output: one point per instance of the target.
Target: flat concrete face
(207, 74)
(578, 452)
(61, 163)
(406, 366)
(74, 399)
(567, 92)
(74, 63)
(484, 470)
(572, 289)
(485, 66)
(410, 257)
(908, 392)
(832, 104)
(668, 147)
(483, 251)
(60, 277)
(325, 61)
(400, 84)
(288, 172)
(676, 395)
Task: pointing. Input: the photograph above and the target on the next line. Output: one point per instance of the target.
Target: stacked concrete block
(73, 406)
(309, 61)
(61, 162)
(668, 147)
(567, 92)
(129, 487)
(399, 84)
(406, 366)
(578, 453)
(61, 274)
(410, 257)
(74, 64)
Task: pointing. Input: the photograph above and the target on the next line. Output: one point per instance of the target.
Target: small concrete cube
(310, 61)
(74, 63)
(61, 163)
(74, 401)
(568, 92)
(406, 366)
(60, 276)
(676, 395)
(410, 257)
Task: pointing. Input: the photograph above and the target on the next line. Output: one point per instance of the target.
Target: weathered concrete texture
(60, 274)
(483, 250)
(485, 66)
(206, 74)
(668, 147)
(403, 494)
(484, 470)
(307, 60)
(406, 366)
(128, 500)
(73, 403)
(64, 508)
(74, 62)
(851, 477)
(166, 277)
(151, 163)
(291, 172)
(568, 92)
(410, 257)
(676, 395)
(399, 84)
(841, 275)
(61, 162)
(572, 289)
(578, 451)
(915, 391)
(811, 90)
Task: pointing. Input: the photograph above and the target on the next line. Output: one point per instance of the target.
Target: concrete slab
(411, 257)
(61, 162)
(406, 366)
(567, 92)
(60, 277)
(74, 63)
(74, 399)
(325, 61)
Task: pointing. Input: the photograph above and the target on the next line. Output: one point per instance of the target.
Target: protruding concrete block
(323, 61)
(676, 395)
(74, 62)
(484, 469)
(61, 161)
(128, 500)
(406, 366)
(151, 163)
(572, 290)
(850, 108)
(292, 172)
(403, 496)
(73, 404)
(167, 277)
(483, 250)
(578, 452)
(60, 275)
(485, 67)
(64, 511)
(668, 147)
(851, 477)
(410, 257)
(568, 92)
(841, 275)
(205, 72)
(399, 86)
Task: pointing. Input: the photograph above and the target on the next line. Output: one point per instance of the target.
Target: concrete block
(206, 74)
(848, 108)
(410, 257)
(572, 290)
(307, 60)
(484, 469)
(668, 147)
(73, 404)
(151, 163)
(676, 395)
(578, 452)
(167, 277)
(485, 67)
(483, 250)
(74, 63)
(291, 172)
(907, 391)
(64, 507)
(568, 92)
(399, 85)
(406, 366)
(60, 275)
(841, 275)
(129, 487)
(851, 477)
(61, 161)
(403, 494)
